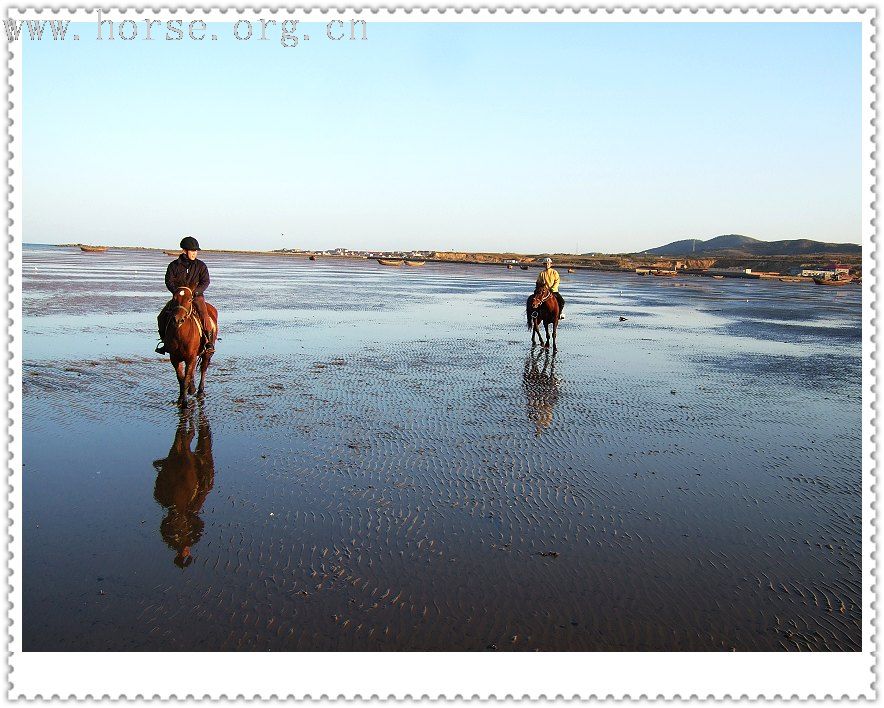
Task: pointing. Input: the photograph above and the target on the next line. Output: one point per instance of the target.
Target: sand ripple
(451, 489)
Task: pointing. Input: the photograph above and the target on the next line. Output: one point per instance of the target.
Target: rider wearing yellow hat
(549, 277)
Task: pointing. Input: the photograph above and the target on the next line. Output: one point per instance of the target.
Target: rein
(544, 298)
(188, 315)
(189, 312)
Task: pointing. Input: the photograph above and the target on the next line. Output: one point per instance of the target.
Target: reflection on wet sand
(541, 389)
(184, 479)
(381, 488)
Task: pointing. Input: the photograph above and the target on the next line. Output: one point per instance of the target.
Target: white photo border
(304, 675)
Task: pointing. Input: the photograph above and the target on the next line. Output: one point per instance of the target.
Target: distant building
(823, 271)
(727, 271)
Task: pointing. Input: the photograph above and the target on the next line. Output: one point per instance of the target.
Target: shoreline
(500, 260)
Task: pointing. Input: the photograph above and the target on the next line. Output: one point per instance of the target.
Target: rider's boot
(209, 347)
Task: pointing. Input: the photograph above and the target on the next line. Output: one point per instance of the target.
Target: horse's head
(541, 293)
(183, 299)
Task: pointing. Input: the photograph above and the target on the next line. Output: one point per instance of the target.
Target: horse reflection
(541, 389)
(184, 480)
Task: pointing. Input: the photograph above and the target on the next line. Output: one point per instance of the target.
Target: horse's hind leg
(204, 365)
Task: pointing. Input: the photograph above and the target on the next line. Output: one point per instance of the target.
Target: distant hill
(736, 245)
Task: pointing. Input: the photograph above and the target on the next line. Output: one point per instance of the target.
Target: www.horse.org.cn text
(286, 32)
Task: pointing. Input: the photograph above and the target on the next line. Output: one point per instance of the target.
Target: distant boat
(389, 262)
(415, 263)
(523, 267)
(832, 281)
(93, 249)
(312, 258)
(172, 253)
(664, 273)
(718, 277)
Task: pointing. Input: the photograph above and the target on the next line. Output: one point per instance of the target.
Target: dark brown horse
(543, 307)
(184, 480)
(183, 337)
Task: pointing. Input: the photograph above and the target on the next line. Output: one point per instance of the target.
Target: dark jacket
(190, 274)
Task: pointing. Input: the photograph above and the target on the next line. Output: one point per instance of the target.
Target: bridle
(535, 305)
(187, 313)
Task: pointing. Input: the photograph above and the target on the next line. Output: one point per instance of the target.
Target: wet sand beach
(383, 462)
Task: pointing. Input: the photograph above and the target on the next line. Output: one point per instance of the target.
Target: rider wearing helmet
(550, 278)
(189, 271)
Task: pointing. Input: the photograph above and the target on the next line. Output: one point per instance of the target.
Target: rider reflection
(541, 389)
(184, 480)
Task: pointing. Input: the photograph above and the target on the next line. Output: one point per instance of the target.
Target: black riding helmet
(189, 243)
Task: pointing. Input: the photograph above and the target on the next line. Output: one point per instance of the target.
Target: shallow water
(383, 462)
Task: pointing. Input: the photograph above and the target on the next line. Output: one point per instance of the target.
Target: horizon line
(429, 250)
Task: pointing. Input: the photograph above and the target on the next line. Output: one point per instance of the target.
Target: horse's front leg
(555, 329)
(188, 376)
(535, 332)
(180, 373)
(204, 365)
(546, 328)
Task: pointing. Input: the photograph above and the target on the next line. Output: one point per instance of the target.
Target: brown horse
(184, 480)
(543, 307)
(184, 342)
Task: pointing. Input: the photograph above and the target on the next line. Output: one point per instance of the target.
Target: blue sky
(526, 137)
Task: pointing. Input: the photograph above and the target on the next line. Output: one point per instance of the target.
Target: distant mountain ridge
(735, 244)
